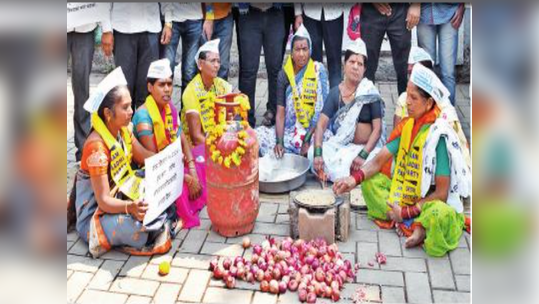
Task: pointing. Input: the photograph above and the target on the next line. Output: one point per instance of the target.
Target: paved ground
(408, 277)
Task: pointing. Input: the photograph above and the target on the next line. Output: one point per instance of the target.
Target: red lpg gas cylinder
(232, 169)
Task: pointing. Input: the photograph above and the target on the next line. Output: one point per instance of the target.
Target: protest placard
(79, 14)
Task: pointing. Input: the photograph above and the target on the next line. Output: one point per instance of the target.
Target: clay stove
(331, 223)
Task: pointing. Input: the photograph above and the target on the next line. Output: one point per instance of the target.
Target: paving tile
(216, 249)
(94, 296)
(441, 274)
(76, 285)
(365, 236)
(393, 295)
(405, 264)
(264, 298)
(379, 277)
(135, 286)
(442, 296)
(390, 243)
(193, 242)
(167, 257)
(372, 292)
(105, 275)
(418, 288)
(176, 275)
(214, 237)
(115, 255)
(366, 253)
(205, 225)
(460, 260)
(267, 213)
(192, 261)
(69, 245)
(363, 223)
(138, 300)
(79, 248)
(256, 239)
(134, 267)
(84, 264)
(272, 229)
(69, 273)
(287, 298)
(220, 295)
(415, 252)
(463, 282)
(167, 293)
(194, 287)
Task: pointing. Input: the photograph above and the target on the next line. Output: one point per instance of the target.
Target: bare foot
(417, 237)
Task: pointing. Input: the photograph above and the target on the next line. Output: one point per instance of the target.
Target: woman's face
(417, 104)
(210, 66)
(161, 91)
(354, 68)
(300, 53)
(121, 114)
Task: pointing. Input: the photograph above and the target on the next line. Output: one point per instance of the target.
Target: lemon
(164, 268)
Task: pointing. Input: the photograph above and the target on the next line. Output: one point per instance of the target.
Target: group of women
(412, 182)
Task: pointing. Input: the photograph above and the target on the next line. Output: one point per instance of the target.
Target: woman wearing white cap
(157, 126)
(199, 97)
(422, 195)
(302, 87)
(353, 113)
(109, 203)
(448, 111)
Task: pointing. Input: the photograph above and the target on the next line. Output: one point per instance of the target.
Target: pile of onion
(314, 269)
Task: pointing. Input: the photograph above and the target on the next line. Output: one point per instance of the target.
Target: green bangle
(307, 138)
(364, 154)
(317, 151)
(280, 141)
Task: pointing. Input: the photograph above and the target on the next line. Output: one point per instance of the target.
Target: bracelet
(359, 176)
(364, 154)
(126, 211)
(409, 212)
(280, 141)
(317, 151)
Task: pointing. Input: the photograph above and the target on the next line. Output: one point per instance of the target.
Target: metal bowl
(282, 175)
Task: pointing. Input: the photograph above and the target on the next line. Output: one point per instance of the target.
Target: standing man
(440, 24)
(132, 33)
(260, 25)
(325, 24)
(80, 48)
(397, 20)
(185, 21)
(218, 24)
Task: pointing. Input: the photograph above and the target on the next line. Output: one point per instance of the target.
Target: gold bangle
(126, 211)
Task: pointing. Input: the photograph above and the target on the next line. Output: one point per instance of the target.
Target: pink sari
(186, 209)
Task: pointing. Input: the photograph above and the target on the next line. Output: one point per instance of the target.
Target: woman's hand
(412, 19)
(357, 163)
(304, 149)
(395, 212)
(343, 185)
(137, 209)
(318, 164)
(383, 8)
(193, 185)
(279, 151)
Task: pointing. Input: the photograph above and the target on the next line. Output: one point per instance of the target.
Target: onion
(241, 272)
(282, 287)
(285, 279)
(262, 264)
(257, 249)
(246, 243)
(293, 285)
(302, 286)
(311, 298)
(227, 263)
(254, 258)
(214, 263)
(328, 292)
(234, 271)
(305, 270)
(319, 290)
(335, 295)
(315, 264)
(218, 272)
(249, 277)
(302, 295)
(277, 274)
(309, 259)
(268, 275)
(230, 282)
(264, 286)
(335, 285)
(319, 276)
(274, 287)
(260, 275)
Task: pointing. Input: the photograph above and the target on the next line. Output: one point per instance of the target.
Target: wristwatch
(168, 24)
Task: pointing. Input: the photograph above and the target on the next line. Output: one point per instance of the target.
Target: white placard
(164, 180)
(79, 14)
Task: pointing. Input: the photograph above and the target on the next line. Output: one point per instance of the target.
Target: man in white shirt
(80, 47)
(325, 24)
(132, 33)
(185, 21)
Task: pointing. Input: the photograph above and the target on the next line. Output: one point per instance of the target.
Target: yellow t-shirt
(191, 101)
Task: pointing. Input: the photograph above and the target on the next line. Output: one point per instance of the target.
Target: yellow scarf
(159, 127)
(406, 183)
(120, 165)
(304, 104)
(207, 101)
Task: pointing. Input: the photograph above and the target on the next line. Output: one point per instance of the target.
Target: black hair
(349, 54)
(427, 64)
(202, 55)
(151, 81)
(110, 100)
